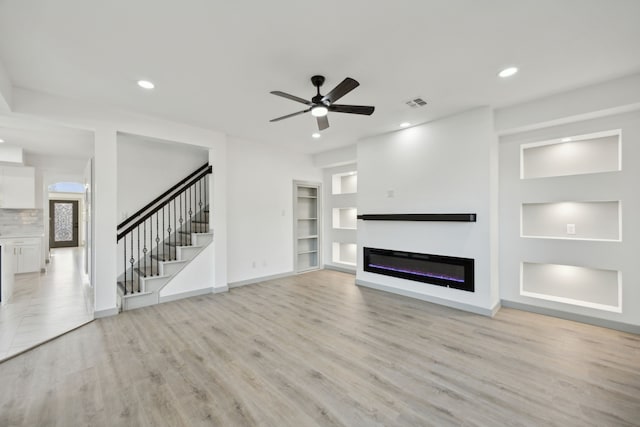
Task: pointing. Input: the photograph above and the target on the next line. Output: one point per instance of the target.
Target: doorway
(63, 223)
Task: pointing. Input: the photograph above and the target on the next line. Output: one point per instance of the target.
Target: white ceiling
(45, 139)
(214, 62)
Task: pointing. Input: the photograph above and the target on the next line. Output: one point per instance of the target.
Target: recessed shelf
(307, 261)
(345, 253)
(306, 223)
(597, 221)
(344, 183)
(577, 155)
(345, 218)
(580, 286)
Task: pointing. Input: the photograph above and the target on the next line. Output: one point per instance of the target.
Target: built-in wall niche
(345, 218)
(572, 220)
(569, 284)
(345, 253)
(344, 183)
(571, 155)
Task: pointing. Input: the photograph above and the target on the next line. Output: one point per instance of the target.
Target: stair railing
(153, 233)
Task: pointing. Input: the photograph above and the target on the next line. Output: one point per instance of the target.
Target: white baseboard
(339, 268)
(260, 279)
(489, 312)
(611, 324)
(187, 294)
(97, 314)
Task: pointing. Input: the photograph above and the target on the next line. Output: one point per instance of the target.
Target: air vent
(416, 102)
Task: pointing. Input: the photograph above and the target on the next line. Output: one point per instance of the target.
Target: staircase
(160, 240)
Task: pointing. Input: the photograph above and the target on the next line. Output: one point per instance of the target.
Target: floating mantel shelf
(457, 217)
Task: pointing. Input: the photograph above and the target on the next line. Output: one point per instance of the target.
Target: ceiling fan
(320, 105)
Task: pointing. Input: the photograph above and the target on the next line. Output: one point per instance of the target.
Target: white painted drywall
(440, 167)
(198, 274)
(587, 285)
(590, 220)
(105, 208)
(599, 100)
(610, 186)
(260, 207)
(148, 167)
(571, 158)
(6, 89)
(337, 157)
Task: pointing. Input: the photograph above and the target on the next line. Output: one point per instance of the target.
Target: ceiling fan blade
(323, 122)
(352, 109)
(346, 86)
(291, 97)
(290, 115)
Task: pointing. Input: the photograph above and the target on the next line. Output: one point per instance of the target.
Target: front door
(63, 223)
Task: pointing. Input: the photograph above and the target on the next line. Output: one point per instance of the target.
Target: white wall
(260, 208)
(6, 89)
(440, 167)
(609, 186)
(148, 167)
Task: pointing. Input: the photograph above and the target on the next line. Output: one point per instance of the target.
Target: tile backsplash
(14, 222)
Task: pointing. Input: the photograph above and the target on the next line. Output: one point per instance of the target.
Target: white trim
(611, 324)
(105, 313)
(183, 295)
(259, 279)
(489, 312)
(339, 268)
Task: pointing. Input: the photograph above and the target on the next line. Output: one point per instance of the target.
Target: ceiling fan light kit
(321, 105)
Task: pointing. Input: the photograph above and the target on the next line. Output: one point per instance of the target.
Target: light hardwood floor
(314, 349)
(45, 305)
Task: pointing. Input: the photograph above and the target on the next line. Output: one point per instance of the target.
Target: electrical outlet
(571, 229)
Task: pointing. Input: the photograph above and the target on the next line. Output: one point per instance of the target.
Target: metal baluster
(190, 212)
(138, 227)
(206, 196)
(150, 245)
(157, 246)
(175, 232)
(124, 244)
(180, 220)
(144, 251)
(163, 238)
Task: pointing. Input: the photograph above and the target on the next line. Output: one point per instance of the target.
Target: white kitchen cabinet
(25, 254)
(17, 187)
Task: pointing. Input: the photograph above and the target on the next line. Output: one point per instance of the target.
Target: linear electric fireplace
(452, 272)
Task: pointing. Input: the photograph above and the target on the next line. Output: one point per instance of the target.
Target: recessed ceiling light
(405, 124)
(146, 84)
(1, 140)
(315, 135)
(508, 72)
(565, 139)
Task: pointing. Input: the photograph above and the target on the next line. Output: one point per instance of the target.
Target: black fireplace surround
(452, 272)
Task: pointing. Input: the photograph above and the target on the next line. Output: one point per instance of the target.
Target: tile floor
(45, 305)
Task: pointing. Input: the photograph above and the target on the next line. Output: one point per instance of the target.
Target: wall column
(105, 204)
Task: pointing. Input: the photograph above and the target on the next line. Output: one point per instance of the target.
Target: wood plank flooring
(315, 350)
